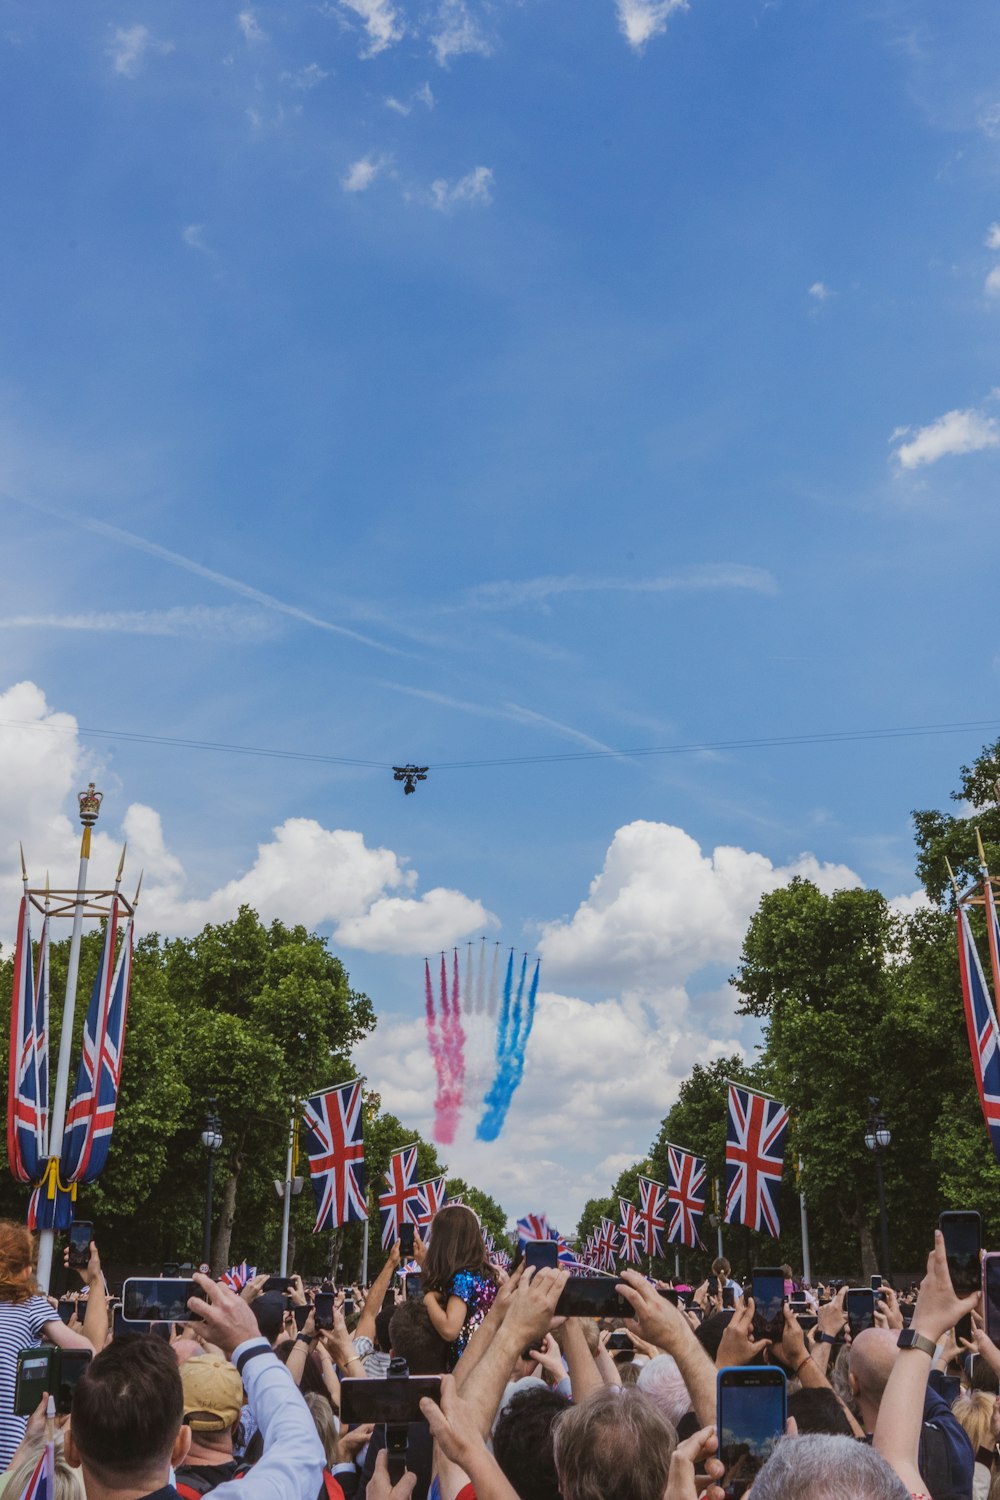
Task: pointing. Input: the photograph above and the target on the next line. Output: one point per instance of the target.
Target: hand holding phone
(752, 1412)
(80, 1235)
(406, 1232)
(541, 1253)
(963, 1242)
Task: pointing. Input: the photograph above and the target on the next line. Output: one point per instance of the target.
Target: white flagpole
(806, 1266)
(287, 1196)
(718, 1231)
(364, 1257)
(90, 806)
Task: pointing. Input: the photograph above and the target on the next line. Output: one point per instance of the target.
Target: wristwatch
(910, 1339)
(819, 1337)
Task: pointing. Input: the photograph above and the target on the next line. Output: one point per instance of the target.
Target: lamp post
(877, 1138)
(211, 1139)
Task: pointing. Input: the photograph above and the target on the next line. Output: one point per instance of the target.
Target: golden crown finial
(90, 805)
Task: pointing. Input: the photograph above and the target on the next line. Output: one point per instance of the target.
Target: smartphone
(348, 1308)
(991, 1294)
(768, 1283)
(592, 1297)
(798, 1299)
(876, 1283)
(413, 1286)
(324, 1310)
(300, 1314)
(70, 1366)
(963, 1241)
(963, 1329)
(540, 1253)
(277, 1284)
(80, 1235)
(35, 1375)
(668, 1294)
(806, 1321)
(728, 1296)
(860, 1309)
(619, 1340)
(713, 1286)
(391, 1400)
(752, 1412)
(66, 1309)
(406, 1241)
(156, 1300)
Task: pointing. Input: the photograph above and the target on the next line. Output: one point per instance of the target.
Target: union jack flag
(652, 1214)
(686, 1180)
(336, 1150)
(605, 1245)
(91, 1115)
(430, 1197)
(566, 1255)
(755, 1149)
(981, 1023)
(237, 1277)
(631, 1234)
(42, 1484)
(502, 1259)
(398, 1204)
(532, 1227)
(488, 1242)
(26, 1098)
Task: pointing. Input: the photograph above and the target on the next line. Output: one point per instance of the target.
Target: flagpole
(806, 1266)
(286, 1209)
(364, 1257)
(90, 806)
(718, 1227)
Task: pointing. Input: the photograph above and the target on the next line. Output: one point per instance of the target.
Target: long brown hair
(17, 1255)
(456, 1245)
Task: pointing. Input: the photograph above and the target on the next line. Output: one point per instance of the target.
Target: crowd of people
(250, 1399)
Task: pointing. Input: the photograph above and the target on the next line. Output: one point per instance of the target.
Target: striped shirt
(21, 1325)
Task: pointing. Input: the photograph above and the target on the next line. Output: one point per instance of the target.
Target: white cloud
(992, 284)
(515, 593)
(457, 33)
(199, 621)
(193, 236)
(420, 96)
(309, 77)
(322, 877)
(250, 27)
(820, 291)
(993, 237)
(382, 22)
(361, 174)
(956, 432)
(475, 187)
(641, 20)
(130, 46)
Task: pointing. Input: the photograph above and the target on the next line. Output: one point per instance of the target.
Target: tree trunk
(869, 1260)
(333, 1261)
(224, 1228)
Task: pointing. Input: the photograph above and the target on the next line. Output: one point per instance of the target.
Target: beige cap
(213, 1394)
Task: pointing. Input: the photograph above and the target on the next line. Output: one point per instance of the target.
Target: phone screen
(157, 1300)
(807, 1321)
(541, 1253)
(406, 1240)
(80, 1236)
(72, 1365)
(592, 1297)
(991, 1295)
(668, 1294)
(324, 1310)
(34, 1378)
(860, 1309)
(752, 1416)
(769, 1302)
(300, 1314)
(277, 1284)
(728, 1296)
(962, 1243)
(389, 1400)
(413, 1286)
(66, 1309)
(876, 1283)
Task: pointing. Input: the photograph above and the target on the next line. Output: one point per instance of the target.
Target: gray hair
(663, 1383)
(821, 1467)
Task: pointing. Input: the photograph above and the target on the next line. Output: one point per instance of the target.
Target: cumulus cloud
(193, 236)
(383, 24)
(993, 237)
(130, 46)
(641, 20)
(956, 432)
(991, 286)
(456, 32)
(361, 174)
(405, 106)
(322, 877)
(820, 291)
(475, 187)
(250, 27)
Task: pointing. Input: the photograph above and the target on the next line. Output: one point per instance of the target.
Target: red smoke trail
(448, 1060)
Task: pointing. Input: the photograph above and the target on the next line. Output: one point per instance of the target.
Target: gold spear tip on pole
(951, 873)
(24, 868)
(982, 851)
(138, 888)
(121, 862)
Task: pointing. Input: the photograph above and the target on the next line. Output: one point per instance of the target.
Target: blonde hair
(322, 1414)
(69, 1481)
(975, 1413)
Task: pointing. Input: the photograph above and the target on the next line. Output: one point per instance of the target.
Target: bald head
(873, 1354)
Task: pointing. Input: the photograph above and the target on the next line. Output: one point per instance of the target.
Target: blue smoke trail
(512, 1042)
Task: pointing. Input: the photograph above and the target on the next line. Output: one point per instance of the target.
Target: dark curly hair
(522, 1442)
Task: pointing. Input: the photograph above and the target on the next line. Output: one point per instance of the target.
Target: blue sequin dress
(477, 1292)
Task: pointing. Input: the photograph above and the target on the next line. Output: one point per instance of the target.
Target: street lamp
(877, 1138)
(211, 1139)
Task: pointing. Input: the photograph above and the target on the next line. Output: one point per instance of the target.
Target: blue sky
(459, 381)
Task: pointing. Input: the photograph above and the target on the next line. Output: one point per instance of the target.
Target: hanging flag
(532, 1227)
(755, 1148)
(686, 1180)
(334, 1122)
(632, 1236)
(91, 1115)
(652, 1214)
(42, 1484)
(398, 1204)
(237, 1277)
(565, 1256)
(28, 1041)
(606, 1242)
(430, 1197)
(502, 1259)
(981, 1023)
